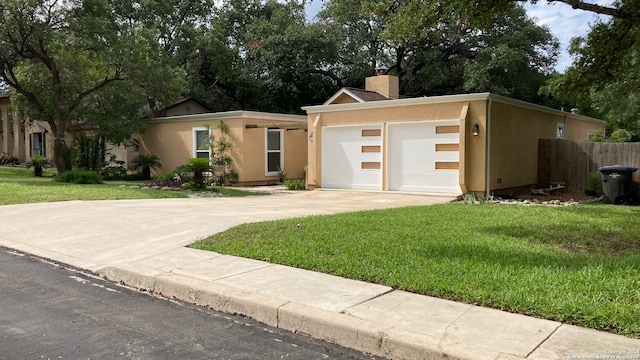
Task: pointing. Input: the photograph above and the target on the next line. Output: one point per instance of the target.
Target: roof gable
(186, 106)
(357, 95)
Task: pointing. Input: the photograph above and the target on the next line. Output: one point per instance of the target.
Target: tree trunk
(198, 177)
(146, 172)
(61, 155)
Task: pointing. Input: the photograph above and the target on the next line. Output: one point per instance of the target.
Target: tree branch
(331, 75)
(9, 77)
(619, 13)
(90, 91)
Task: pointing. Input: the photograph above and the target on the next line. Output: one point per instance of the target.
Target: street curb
(339, 328)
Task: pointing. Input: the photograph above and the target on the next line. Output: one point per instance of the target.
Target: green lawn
(19, 186)
(579, 265)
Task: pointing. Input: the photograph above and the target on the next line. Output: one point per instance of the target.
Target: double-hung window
(274, 159)
(201, 143)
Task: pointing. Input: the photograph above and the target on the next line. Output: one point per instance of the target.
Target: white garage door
(352, 157)
(424, 157)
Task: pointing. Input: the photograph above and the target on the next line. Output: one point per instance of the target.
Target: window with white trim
(274, 152)
(560, 131)
(201, 143)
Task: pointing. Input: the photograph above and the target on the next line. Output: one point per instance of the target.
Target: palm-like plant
(198, 166)
(146, 162)
(38, 163)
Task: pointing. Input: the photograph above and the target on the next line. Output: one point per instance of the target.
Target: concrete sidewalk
(141, 244)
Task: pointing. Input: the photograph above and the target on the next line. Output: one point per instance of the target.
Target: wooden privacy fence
(570, 161)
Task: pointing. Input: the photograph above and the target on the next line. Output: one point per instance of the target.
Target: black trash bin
(617, 184)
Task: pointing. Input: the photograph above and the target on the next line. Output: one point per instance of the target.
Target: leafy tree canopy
(604, 78)
(89, 61)
(437, 49)
(263, 55)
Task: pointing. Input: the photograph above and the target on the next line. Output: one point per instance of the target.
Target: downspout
(488, 149)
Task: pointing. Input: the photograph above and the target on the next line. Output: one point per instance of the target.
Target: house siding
(515, 131)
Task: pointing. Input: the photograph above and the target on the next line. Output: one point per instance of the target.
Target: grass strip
(19, 186)
(578, 265)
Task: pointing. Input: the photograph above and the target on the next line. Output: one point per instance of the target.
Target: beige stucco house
(262, 143)
(373, 139)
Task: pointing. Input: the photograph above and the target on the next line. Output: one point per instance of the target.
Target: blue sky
(563, 21)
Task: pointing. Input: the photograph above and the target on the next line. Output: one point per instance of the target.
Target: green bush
(37, 163)
(620, 135)
(295, 184)
(114, 171)
(198, 166)
(146, 162)
(166, 176)
(594, 184)
(79, 177)
(195, 186)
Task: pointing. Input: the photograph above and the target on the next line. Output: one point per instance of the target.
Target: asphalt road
(48, 311)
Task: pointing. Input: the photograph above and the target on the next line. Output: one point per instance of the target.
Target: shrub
(166, 183)
(170, 176)
(182, 173)
(37, 163)
(620, 135)
(594, 184)
(90, 152)
(232, 176)
(79, 177)
(198, 166)
(195, 186)
(114, 171)
(146, 162)
(295, 184)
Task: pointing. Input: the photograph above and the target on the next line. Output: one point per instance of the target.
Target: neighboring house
(22, 140)
(186, 106)
(262, 143)
(372, 139)
(25, 140)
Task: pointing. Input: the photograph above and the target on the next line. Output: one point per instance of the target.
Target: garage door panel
(414, 162)
(349, 157)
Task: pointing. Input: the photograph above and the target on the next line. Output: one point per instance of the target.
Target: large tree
(437, 52)
(263, 55)
(604, 79)
(90, 61)
(356, 30)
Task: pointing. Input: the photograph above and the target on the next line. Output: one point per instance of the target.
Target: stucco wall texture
(504, 153)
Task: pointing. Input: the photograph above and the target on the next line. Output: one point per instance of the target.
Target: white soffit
(232, 115)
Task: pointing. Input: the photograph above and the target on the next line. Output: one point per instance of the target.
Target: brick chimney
(387, 85)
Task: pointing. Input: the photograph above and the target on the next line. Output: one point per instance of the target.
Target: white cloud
(563, 22)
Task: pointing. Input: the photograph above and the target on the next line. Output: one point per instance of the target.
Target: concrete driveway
(95, 234)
